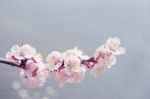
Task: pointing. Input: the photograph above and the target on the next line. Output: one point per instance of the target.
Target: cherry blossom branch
(14, 64)
(67, 67)
(7, 62)
(88, 63)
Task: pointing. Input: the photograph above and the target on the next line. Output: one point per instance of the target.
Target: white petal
(111, 42)
(15, 48)
(98, 69)
(68, 71)
(38, 57)
(117, 40)
(53, 57)
(8, 55)
(28, 51)
(58, 65)
(120, 51)
(113, 60)
(108, 42)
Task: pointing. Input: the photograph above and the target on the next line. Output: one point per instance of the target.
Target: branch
(7, 62)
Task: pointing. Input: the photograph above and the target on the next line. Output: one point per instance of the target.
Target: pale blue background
(52, 25)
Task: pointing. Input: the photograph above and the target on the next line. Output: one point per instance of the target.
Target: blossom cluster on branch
(67, 67)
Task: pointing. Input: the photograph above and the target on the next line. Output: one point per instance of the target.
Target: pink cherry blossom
(64, 78)
(59, 76)
(72, 72)
(34, 71)
(35, 74)
(104, 59)
(76, 77)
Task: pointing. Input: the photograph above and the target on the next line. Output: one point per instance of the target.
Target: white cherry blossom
(73, 63)
(54, 60)
(18, 53)
(73, 52)
(113, 45)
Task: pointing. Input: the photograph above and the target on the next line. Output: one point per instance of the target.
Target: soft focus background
(59, 25)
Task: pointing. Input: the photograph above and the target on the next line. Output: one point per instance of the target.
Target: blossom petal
(98, 69)
(120, 51)
(27, 51)
(113, 60)
(15, 49)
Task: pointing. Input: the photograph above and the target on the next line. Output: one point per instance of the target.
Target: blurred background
(59, 25)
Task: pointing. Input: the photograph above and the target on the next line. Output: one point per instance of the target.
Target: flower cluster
(33, 71)
(67, 67)
(105, 56)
